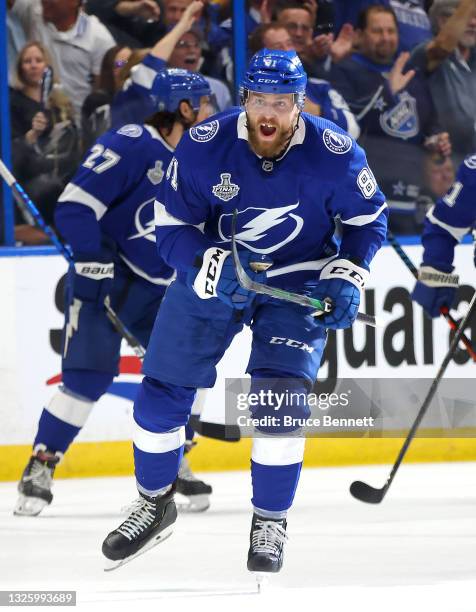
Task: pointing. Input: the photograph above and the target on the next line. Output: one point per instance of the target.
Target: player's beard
(268, 149)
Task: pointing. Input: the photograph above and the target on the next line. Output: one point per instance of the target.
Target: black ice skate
(267, 538)
(196, 491)
(148, 524)
(36, 482)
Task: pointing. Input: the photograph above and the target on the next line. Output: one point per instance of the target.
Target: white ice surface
(414, 552)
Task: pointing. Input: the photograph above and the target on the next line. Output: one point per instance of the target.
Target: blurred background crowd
(398, 75)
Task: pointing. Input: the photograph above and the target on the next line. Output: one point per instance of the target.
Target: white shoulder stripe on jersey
(143, 76)
(155, 280)
(458, 233)
(364, 219)
(76, 195)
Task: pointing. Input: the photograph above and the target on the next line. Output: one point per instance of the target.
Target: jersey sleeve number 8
(110, 159)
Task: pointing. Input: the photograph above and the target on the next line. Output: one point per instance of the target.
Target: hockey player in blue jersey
(452, 217)
(289, 175)
(106, 215)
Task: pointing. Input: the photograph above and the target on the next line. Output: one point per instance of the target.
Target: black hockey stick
(443, 310)
(364, 492)
(280, 294)
(211, 430)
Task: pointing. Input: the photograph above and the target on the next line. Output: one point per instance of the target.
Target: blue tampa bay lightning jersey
(451, 218)
(286, 206)
(113, 194)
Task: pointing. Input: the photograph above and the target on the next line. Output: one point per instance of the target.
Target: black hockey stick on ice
(280, 294)
(443, 310)
(210, 430)
(364, 492)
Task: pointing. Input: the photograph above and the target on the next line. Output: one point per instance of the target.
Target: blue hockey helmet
(275, 71)
(172, 85)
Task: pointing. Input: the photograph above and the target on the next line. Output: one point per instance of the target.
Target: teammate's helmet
(273, 71)
(172, 85)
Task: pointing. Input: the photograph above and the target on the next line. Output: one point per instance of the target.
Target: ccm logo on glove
(346, 270)
(206, 281)
(94, 270)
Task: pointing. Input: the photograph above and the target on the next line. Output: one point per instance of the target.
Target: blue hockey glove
(214, 276)
(341, 281)
(435, 289)
(92, 277)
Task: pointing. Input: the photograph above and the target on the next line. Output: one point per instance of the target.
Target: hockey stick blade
(217, 431)
(280, 294)
(365, 493)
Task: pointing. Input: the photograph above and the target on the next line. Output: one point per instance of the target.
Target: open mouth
(190, 60)
(267, 130)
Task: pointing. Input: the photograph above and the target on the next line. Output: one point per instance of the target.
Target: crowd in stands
(398, 75)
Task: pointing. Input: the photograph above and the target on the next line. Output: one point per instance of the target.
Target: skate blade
(262, 580)
(29, 506)
(193, 503)
(113, 565)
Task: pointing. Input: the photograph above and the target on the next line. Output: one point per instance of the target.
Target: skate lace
(142, 516)
(268, 537)
(39, 474)
(185, 473)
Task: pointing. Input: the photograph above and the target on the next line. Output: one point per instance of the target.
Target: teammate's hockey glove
(92, 276)
(341, 281)
(213, 275)
(435, 289)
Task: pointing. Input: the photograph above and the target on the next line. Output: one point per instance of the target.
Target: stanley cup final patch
(225, 190)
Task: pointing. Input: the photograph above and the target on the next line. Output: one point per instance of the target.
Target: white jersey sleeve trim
(278, 451)
(76, 195)
(155, 280)
(151, 442)
(364, 219)
(163, 218)
(143, 76)
(457, 232)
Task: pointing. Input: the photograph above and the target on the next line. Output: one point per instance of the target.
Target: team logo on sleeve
(263, 230)
(156, 174)
(132, 130)
(204, 132)
(336, 143)
(226, 190)
(470, 162)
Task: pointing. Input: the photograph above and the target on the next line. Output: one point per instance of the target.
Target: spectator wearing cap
(76, 41)
(449, 63)
(394, 109)
(321, 99)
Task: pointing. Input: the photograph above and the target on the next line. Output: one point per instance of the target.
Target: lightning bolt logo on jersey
(287, 211)
(259, 225)
(117, 184)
